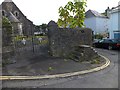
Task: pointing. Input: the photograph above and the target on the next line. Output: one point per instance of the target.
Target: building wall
(101, 25)
(97, 24)
(91, 23)
(113, 26)
(119, 20)
(27, 25)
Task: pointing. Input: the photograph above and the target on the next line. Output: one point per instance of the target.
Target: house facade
(114, 23)
(21, 25)
(97, 22)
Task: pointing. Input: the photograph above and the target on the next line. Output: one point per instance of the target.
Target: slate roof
(97, 14)
(12, 18)
(93, 13)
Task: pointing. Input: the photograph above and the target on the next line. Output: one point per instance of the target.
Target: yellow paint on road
(57, 75)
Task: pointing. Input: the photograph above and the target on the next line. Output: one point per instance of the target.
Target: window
(16, 13)
(3, 13)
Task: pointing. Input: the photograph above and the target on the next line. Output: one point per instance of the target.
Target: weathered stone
(62, 40)
(83, 53)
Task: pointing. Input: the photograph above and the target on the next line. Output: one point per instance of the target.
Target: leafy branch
(72, 14)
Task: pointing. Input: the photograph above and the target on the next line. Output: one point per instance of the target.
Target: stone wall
(7, 43)
(62, 40)
(14, 50)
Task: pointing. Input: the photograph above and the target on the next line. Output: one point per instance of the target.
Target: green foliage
(44, 42)
(38, 36)
(105, 14)
(95, 61)
(18, 38)
(43, 26)
(50, 68)
(73, 14)
(98, 36)
(5, 22)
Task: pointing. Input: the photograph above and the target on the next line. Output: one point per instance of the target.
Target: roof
(8, 1)
(95, 13)
(118, 7)
(115, 9)
(12, 18)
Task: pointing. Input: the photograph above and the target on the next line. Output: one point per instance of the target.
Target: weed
(95, 61)
(50, 68)
(65, 60)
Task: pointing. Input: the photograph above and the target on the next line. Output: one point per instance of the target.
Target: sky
(43, 11)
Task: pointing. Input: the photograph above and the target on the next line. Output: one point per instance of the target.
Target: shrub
(98, 36)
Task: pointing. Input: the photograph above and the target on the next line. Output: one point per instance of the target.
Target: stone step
(77, 57)
(74, 59)
(78, 53)
(83, 52)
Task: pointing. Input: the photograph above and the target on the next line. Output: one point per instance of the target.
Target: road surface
(107, 78)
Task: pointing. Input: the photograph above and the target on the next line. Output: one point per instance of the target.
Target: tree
(98, 36)
(44, 27)
(73, 14)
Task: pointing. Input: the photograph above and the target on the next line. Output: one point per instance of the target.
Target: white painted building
(97, 22)
(114, 23)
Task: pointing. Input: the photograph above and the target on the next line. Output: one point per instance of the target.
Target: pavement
(90, 70)
(48, 65)
(107, 78)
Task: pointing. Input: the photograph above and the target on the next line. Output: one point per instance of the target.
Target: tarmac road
(107, 78)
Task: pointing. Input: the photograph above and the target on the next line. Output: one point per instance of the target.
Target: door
(117, 35)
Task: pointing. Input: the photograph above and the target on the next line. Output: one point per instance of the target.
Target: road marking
(58, 75)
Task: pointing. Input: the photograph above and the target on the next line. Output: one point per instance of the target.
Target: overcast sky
(42, 11)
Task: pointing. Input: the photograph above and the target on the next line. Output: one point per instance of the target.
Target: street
(107, 78)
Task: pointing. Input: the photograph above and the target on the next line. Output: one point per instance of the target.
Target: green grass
(40, 36)
(44, 42)
(18, 38)
(35, 40)
(95, 61)
(50, 68)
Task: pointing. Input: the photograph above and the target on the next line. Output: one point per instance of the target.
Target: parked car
(108, 44)
(96, 40)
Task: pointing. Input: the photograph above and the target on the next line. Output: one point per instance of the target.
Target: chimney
(119, 5)
(107, 11)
